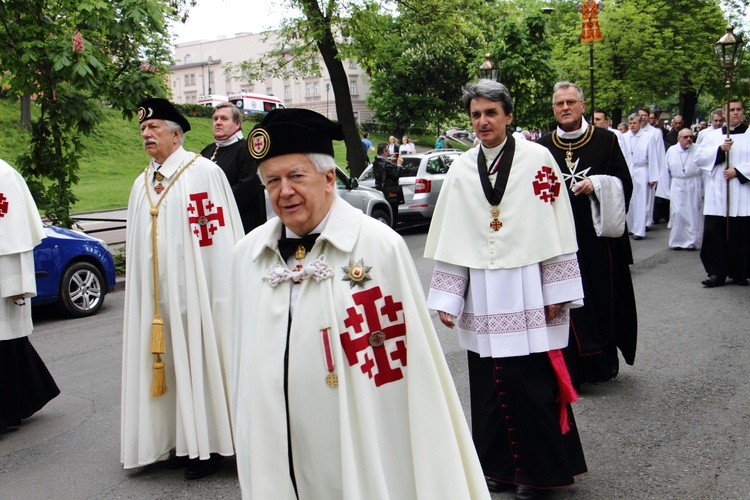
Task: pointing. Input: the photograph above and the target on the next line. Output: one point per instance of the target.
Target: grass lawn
(113, 156)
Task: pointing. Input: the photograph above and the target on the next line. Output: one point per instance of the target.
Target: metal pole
(591, 68)
(729, 138)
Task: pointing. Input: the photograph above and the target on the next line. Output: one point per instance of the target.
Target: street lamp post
(489, 70)
(729, 51)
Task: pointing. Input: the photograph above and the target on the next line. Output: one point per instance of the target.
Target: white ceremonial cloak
(389, 429)
(499, 295)
(21, 230)
(682, 184)
(714, 183)
(537, 221)
(642, 155)
(197, 228)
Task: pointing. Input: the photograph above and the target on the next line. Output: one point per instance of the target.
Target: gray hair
(322, 163)
(718, 112)
(488, 89)
(635, 116)
(566, 85)
(174, 127)
(236, 113)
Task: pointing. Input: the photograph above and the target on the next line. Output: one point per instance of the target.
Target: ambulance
(255, 103)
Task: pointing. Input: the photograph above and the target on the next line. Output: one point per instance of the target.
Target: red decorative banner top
(590, 31)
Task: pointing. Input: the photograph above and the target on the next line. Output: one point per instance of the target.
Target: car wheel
(382, 216)
(81, 290)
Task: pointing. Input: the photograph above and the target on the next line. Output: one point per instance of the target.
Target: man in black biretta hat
(297, 140)
(322, 297)
(182, 225)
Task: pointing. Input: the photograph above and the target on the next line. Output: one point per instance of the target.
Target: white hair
(174, 127)
(322, 163)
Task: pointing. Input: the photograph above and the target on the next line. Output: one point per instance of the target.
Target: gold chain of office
(570, 146)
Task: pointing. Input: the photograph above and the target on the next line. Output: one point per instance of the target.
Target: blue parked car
(73, 270)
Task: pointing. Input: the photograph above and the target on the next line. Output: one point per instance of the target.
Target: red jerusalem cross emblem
(206, 215)
(369, 343)
(546, 185)
(3, 205)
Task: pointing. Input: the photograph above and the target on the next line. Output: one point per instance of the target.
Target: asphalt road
(673, 426)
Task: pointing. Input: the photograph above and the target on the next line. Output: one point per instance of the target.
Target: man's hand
(446, 319)
(726, 145)
(583, 187)
(730, 173)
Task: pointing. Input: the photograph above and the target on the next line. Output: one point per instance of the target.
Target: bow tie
(288, 246)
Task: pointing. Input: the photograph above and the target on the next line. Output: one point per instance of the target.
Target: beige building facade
(200, 70)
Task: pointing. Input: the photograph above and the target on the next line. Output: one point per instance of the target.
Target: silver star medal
(574, 176)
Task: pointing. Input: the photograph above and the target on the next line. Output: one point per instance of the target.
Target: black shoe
(740, 281)
(526, 493)
(713, 281)
(202, 468)
(497, 486)
(178, 462)
(638, 238)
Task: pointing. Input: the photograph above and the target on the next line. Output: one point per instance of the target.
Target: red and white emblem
(207, 216)
(546, 185)
(3, 205)
(259, 143)
(376, 341)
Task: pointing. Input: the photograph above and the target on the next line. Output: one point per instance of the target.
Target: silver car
(370, 201)
(421, 177)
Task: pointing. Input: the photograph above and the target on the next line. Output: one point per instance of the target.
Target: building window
(308, 89)
(192, 78)
(187, 80)
(287, 92)
(353, 88)
(210, 76)
(352, 64)
(269, 91)
(316, 89)
(188, 58)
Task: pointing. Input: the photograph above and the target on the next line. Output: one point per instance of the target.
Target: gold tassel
(157, 336)
(159, 387)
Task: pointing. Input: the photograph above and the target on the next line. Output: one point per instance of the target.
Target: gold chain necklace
(570, 146)
(215, 151)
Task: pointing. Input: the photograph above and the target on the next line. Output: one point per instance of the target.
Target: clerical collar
(491, 153)
(574, 134)
(236, 137)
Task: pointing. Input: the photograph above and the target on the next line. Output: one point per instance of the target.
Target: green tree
(297, 46)
(417, 56)
(73, 56)
(654, 51)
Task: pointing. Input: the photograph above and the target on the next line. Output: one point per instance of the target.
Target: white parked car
(421, 177)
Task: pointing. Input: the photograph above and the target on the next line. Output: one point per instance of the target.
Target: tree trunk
(26, 111)
(688, 100)
(356, 157)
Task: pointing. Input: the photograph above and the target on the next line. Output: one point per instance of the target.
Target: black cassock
(608, 319)
(242, 173)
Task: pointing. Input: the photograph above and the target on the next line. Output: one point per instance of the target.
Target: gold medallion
(332, 380)
(495, 212)
(159, 176)
(300, 253)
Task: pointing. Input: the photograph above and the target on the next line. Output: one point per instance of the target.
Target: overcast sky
(211, 19)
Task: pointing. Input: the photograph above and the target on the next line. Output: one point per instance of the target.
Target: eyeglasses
(569, 102)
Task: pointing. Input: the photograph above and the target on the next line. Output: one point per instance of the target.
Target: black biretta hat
(286, 131)
(161, 109)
